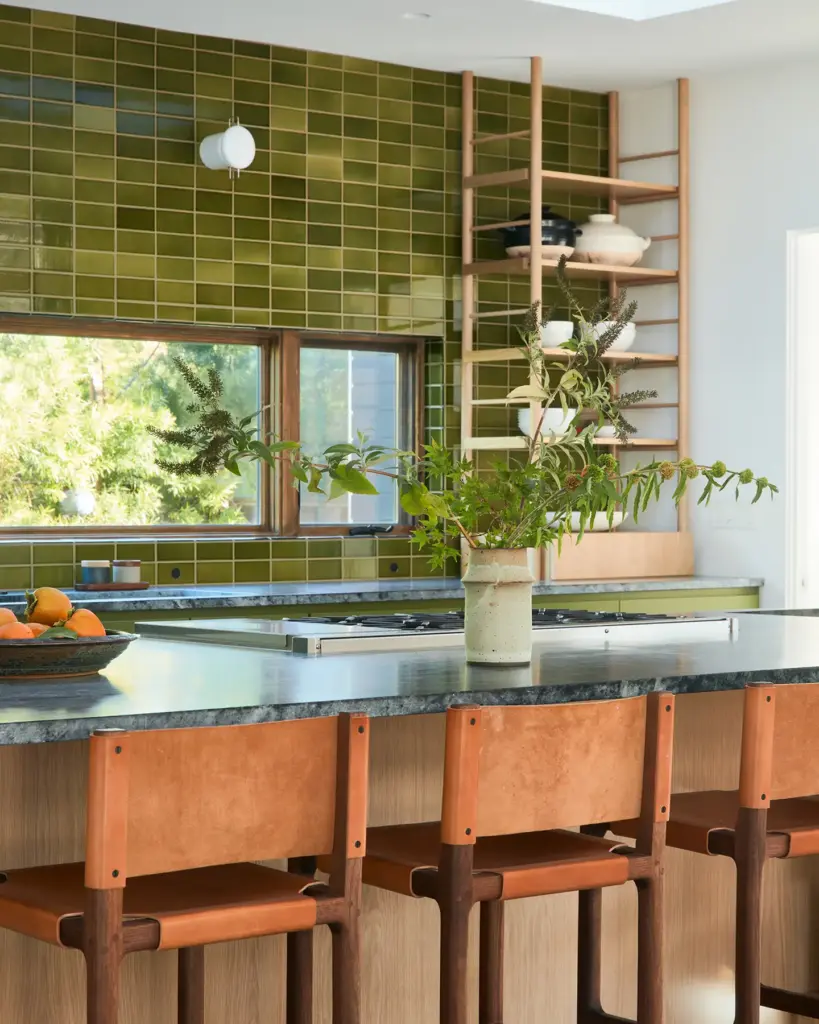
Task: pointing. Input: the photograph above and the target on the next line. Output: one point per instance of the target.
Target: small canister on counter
(95, 571)
(127, 570)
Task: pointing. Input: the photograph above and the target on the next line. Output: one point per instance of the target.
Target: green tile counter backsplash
(348, 219)
(183, 562)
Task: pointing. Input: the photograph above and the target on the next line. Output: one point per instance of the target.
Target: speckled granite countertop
(167, 684)
(271, 595)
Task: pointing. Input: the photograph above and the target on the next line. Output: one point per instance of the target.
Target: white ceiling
(636, 10)
(494, 37)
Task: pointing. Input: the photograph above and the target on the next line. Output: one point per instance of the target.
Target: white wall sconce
(231, 150)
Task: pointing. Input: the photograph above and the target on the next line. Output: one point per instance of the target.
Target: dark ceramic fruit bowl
(61, 659)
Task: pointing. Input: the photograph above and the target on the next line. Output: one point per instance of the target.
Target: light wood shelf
(506, 355)
(591, 271)
(521, 443)
(582, 184)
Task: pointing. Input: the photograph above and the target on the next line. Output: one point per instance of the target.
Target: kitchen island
(164, 684)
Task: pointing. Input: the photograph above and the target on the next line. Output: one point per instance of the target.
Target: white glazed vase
(498, 607)
(605, 241)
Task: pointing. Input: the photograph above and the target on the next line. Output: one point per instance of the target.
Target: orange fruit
(15, 631)
(37, 628)
(47, 605)
(85, 623)
(7, 615)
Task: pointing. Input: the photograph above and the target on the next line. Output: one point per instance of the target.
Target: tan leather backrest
(169, 800)
(795, 758)
(561, 765)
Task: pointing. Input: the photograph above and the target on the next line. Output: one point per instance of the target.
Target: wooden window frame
(266, 340)
(289, 393)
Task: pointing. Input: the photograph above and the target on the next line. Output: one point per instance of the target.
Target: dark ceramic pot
(556, 231)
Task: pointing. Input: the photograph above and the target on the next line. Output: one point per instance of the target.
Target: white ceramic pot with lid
(605, 241)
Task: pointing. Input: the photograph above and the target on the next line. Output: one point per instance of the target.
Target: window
(333, 389)
(75, 401)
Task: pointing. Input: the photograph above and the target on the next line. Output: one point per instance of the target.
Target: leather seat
(194, 907)
(695, 816)
(530, 863)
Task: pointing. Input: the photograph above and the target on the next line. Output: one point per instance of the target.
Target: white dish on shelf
(548, 252)
(606, 431)
(555, 421)
(623, 342)
(601, 522)
(556, 333)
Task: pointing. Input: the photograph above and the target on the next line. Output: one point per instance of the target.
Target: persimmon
(85, 623)
(48, 606)
(15, 631)
(37, 628)
(7, 615)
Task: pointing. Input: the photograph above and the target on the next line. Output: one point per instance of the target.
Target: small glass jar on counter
(95, 571)
(127, 570)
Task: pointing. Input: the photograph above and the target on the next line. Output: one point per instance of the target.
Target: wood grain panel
(41, 796)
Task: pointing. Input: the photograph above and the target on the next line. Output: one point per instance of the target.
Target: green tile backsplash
(349, 219)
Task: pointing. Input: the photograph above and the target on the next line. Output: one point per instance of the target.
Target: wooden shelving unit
(673, 553)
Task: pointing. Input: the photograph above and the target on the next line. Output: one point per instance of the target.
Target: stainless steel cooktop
(356, 634)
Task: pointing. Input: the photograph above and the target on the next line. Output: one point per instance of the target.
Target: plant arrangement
(522, 503)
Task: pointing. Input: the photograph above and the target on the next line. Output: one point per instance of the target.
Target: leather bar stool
(516, 779)
(766, 817)
(173, 819)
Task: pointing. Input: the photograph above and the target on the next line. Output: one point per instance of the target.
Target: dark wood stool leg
(455, 902)
(103, 953)
(191, 985)
(749, 854)
(347, 972)
(589, 942)
(300, 959)
(300, 978)
(347, 952)
(490, 995)
(650, 950)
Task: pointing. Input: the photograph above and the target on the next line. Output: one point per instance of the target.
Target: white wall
(754, 177)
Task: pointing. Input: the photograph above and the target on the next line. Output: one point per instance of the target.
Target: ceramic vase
(606, 241)
(498, 607)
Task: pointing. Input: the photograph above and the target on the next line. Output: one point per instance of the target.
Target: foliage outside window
(76, 452)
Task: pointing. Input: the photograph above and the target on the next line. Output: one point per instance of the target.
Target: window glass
(75, 450)
(344, 392)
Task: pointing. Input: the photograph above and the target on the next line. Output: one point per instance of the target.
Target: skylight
(635, 10)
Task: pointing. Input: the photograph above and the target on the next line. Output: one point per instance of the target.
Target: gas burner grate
(443, 621)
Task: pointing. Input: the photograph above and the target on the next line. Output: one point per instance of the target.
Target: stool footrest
(799, 1003)
(601, 1017)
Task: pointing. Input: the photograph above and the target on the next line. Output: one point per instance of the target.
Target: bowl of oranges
(55, 640)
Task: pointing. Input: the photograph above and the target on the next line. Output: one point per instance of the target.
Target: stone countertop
(168, 684)
(272, 595)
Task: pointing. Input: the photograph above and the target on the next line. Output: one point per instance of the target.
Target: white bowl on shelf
(555, 421)
(606, 431)
(601, 522)
(548, 252)
(556, 333)
(623, 342)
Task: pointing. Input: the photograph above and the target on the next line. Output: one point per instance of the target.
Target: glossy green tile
(53, 576)
(289, 549)
(288, 572)
(170, 573)
(214, 572)
(324, 548)
(394, 567)
(14, 554)
(15, 577)
(170, 551)
(325, 569)
(53, 554)
(214, 550)
(141, 550)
